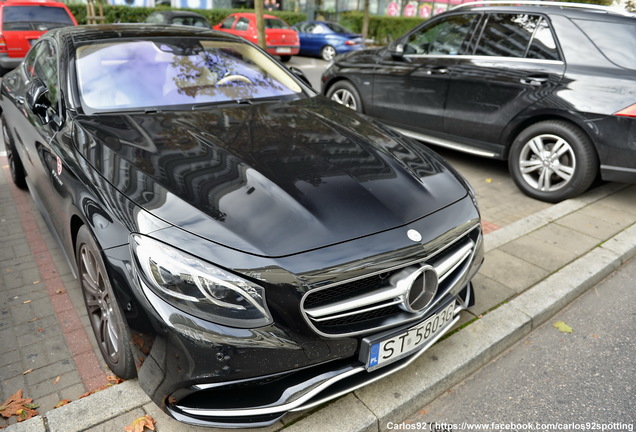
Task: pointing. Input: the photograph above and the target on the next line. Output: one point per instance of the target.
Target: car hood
(270, 179)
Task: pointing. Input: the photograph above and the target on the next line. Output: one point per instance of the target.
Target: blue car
(326, 39)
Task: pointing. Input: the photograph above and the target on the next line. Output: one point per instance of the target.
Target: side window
(243, 24)
(155, 19)
(543, 45)
(227, 23)
(45, 68)
(446, 37)
(517, 35)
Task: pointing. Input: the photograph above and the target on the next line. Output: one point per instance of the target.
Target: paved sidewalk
(534, 266)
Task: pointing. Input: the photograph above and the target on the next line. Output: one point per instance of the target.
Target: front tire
(346, 94)
(16, 168)
(104, 313)
(552, 161)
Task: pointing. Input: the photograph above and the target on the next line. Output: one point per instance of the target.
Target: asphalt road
(551, 380)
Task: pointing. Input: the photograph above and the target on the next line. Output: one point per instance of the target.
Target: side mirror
(300, 75)
(396, 49)
(37, 100)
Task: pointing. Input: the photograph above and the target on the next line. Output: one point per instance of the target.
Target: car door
(515, 64)
(409, 90)
(312, 37)
(38, 133)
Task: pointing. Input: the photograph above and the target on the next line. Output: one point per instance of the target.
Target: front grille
(375, 302)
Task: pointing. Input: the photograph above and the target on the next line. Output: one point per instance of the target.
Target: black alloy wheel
(104, 313)
(15, 164)
(552, 161)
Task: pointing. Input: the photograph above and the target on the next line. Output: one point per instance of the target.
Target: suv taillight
(630, 111)
(3, 44)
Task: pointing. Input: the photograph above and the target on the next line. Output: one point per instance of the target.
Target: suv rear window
(613, 39)
(40, 18)
(517, 35)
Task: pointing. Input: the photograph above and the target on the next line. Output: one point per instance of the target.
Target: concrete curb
(447, 363)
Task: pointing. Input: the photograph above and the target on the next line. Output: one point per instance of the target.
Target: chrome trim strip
(345, 314)
(444, 143)
(362, 303)
(618, 169)
(486, 58)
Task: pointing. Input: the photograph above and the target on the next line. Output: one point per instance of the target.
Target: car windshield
(275, 23)
(34, 18)
(190, 21)
(151, 74)
(337, 28)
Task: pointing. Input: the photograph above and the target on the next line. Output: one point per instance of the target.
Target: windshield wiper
(236, 102)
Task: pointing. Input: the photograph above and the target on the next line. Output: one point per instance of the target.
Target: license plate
(398, 346)
(283, 50)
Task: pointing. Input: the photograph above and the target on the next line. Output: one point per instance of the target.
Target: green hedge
(127, 14)
(382, 29)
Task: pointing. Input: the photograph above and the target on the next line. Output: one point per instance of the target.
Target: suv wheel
(552, 161)
(345, 94)
(104, 313)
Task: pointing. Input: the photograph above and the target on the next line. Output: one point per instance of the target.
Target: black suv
(549, 86)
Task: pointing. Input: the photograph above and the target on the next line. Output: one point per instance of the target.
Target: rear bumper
(278, 50)
(7, 62)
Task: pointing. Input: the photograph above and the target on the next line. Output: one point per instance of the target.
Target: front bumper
(259, 402)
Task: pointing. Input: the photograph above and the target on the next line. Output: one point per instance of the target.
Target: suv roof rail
(596, 7)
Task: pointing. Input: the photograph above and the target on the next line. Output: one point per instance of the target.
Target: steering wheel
(228, 78)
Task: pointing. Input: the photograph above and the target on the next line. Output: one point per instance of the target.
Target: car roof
(252, 15)
(91, 33)
(31, 3)
(173, 13)
(551, 7)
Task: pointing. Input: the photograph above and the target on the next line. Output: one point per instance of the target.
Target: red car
(22, 22)
(280, 38)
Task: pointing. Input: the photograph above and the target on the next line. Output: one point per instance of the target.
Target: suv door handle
(534, 80)
(437, 70)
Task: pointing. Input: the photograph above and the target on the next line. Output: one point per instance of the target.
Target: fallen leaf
(27, 371)
(16, 405)
(60, 291)
(57, 380)
(62, 403)
(562, 327)
(114, 379)
(140, 424)
(36, 282)
(27, 301)
(488, 180)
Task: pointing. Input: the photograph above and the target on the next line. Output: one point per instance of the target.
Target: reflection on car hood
(271, 179)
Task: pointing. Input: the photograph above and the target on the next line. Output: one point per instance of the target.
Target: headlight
(199, 288)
